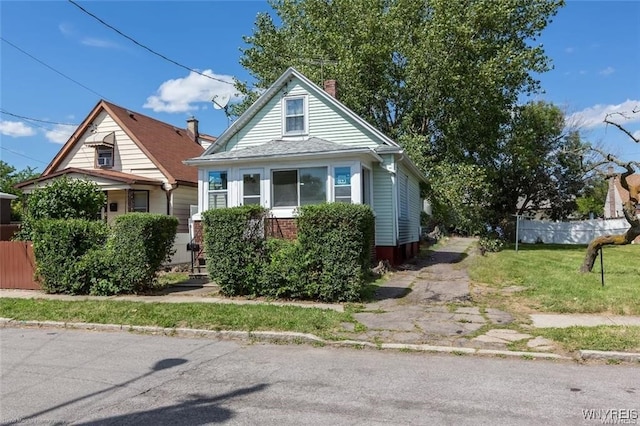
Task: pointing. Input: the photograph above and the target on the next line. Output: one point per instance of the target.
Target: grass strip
(209, 316)
(600, 338)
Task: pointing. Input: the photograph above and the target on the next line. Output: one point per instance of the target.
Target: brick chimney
(192, 128)
(331, 87)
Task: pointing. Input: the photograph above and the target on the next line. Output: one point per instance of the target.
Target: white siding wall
(383, 205)
(182, 198)
(325, 122)
(128, 158)
(116, 197)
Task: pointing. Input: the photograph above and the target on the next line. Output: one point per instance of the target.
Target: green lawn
(552, 283)
(209, 316)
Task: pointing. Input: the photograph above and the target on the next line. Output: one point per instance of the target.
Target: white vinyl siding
(408, 207)
(324, 120)
(383, 205)
(127, 156)
(182, 198)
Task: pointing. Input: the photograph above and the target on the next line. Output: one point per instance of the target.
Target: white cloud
(16, 129)
(595, 115)
(96, 42)
(66, 29)
(60, 133)
(607, 71)
(180, 94)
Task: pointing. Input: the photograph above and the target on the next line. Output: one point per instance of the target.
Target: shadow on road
(199, 410)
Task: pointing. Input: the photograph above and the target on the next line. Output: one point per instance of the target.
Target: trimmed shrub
(286, 272)
(336, 239)
(59, 245)
(139, 244)
(235, 246)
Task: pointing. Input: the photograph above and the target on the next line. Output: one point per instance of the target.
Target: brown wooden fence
(17, 265)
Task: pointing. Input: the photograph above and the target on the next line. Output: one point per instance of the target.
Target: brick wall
(281, 228)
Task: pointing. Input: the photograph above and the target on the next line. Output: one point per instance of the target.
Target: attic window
(295, 117)
(104, 156)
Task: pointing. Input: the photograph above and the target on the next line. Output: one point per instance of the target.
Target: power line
(53, 69)
(22, 155)
(145, 47)
(34, 119)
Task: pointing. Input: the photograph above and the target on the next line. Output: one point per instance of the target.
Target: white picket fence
(531, 231)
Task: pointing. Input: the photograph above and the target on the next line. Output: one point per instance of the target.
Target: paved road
(80, 377)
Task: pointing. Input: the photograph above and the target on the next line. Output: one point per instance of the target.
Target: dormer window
(295, 120)
(104, 156)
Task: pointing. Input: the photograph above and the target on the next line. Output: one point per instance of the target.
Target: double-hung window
(104, 156)
(217, 189)
(342, 184)
(294, 116)
(299, 187)
(140, 201)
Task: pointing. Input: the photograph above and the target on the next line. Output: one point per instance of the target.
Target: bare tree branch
(607, 120)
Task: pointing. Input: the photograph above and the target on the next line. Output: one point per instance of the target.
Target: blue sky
(594, 47)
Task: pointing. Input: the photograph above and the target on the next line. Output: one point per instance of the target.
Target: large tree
(442, 77)
(629, 208)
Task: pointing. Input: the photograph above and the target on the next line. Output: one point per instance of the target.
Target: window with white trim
(250, 188)
(217, 196)
(342, 184)
(140, 201)
(294, 116)
(299, 187)
(104, 155)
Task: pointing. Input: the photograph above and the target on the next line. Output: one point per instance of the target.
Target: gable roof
(164, 144)
(272, 91)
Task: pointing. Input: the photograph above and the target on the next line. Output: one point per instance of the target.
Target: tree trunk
(629, 209)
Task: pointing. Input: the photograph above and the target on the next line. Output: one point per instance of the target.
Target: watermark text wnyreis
(613, 416)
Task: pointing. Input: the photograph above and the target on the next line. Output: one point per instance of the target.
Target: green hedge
(58, 247)
(337, 238)
(235, 246)
(139, 244)
(328, 262)
(77, 256)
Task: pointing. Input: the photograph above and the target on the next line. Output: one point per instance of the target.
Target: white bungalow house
(137, 161)
(297, 145)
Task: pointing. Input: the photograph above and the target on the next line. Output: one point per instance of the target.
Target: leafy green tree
(539, 165)
(442, 77)
(9, 177)
(592, 198)
(63, 198)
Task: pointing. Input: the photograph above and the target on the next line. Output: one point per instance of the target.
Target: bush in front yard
(235, 246)
(286, 272)
(59, 245)
(139, 244)
(337, 239)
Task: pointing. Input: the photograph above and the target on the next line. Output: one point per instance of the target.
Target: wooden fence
(17, 265)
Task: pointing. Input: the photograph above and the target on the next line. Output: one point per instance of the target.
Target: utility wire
(22, 155)
(53, 69)
(145, 47)
(34, 119)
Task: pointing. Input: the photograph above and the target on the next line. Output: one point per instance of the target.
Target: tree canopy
(442, 77)
(9, 177)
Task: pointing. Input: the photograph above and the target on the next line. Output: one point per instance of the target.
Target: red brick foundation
(397, 255)
(284, 228)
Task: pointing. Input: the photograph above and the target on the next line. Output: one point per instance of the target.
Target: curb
(287, 337)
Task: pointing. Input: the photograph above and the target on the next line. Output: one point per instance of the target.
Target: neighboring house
(135, 159)
(296, 145)
(7, 229)
(617, 196)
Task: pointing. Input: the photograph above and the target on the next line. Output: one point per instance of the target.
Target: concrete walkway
(424, 305)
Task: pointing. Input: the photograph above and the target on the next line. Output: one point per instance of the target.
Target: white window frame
(305, 112)
(241, 174)
(136, 209)
(327, 183)
(216, 191)
(104, 150)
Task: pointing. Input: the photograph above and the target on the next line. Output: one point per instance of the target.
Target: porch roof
(104, 178)
(283, 148)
